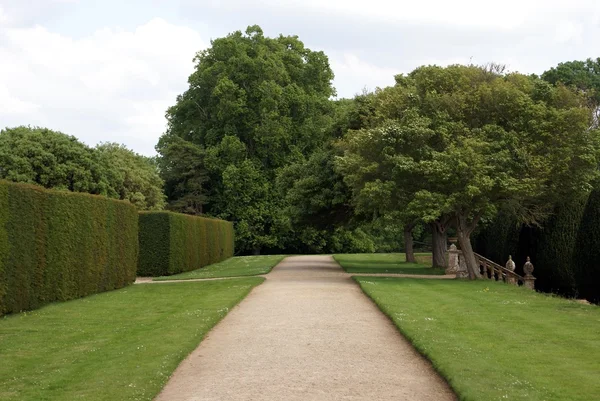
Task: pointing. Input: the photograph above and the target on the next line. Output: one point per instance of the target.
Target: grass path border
(117, 345)
(493, 341)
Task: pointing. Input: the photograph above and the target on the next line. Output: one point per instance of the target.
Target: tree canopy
(467, 141)
(55, 160)
(254, 104)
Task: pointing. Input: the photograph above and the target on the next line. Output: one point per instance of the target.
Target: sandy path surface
(149, 280)
(306, 333)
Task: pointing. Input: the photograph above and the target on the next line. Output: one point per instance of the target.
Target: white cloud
(569, 31)
(10, 105)
(3, 16)
(350, 71)
(474, 13)
(113, 85)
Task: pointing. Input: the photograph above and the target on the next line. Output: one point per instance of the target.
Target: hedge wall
(586, 258)
(565, 251)
(172, 243)
(56, 245)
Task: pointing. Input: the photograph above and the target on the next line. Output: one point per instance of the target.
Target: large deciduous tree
(182, 166)
(55, 160)
(253, 104)
(467, 141)
(134, 177)
(582, 75)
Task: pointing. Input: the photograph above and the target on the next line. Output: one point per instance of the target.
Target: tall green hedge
(554, 267)
(56, 245)
(172, 243)
(499, 239)
(565, 251)
(586, 257)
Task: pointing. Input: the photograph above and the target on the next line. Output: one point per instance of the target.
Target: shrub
(586, 256)
(499, 239)
(556, 244)
(172, 243)
(56, 246)
(564, 250)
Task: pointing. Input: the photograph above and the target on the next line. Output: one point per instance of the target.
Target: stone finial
(528, 267)
(452, 260)
(510, 265)
(529, 280)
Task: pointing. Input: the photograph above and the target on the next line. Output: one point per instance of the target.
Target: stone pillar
(529, 280)
(462, 271)
(452, 260)
(510, 265)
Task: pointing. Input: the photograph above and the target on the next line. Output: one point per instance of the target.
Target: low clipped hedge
(56, 246)
(172, 243)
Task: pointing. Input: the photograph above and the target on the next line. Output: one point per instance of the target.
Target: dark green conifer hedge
(172, 243)
(565, 251)
(58, 245)
(586, 256)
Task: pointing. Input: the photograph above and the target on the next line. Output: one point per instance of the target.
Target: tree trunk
(463, 231)
(438, 243)
(408, 243)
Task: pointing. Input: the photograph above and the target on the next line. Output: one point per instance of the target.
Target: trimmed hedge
(565, 250)
(56, 246)
(172, 243)
(586, 258)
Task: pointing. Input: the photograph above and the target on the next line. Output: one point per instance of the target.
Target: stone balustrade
(490, 270)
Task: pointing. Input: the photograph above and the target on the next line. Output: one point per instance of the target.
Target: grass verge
(237, 266)
(386, 263)
(493, 341)
(120, 345)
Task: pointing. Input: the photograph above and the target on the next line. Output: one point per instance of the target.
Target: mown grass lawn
(494, 341)
(238, 266)
(386, 263)
(120, 345)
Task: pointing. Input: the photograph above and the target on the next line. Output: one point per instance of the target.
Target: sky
(107, 70)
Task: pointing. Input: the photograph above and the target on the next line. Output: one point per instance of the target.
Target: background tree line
(259, 139)
(55, 160)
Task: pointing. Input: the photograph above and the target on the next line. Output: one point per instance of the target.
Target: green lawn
(233, 267)
(120, 345)
(494, 341)
(386, 263)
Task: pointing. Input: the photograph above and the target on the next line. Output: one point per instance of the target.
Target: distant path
(148, 280)
(306, 333)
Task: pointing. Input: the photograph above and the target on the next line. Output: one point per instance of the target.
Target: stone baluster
(462, 271)
(452, 260)
(510, 265)
(529, 280)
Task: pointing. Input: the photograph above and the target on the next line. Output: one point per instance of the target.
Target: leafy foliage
(182, 168)
(54, 160)
(254, 104)
(582, 75)
(134, 177)
(58, 245)
(466, 141)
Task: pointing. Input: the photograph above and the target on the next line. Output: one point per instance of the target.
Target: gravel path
(306, 333)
